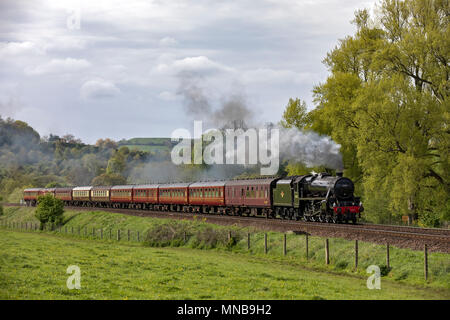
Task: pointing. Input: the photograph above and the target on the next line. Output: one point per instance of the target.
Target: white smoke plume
(295, 145)
(309, 148)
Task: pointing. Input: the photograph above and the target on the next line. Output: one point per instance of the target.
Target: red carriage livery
(145, 196)
(173, 196)
(251, 196)
(207, 197)
(315, 197)
(121, 196)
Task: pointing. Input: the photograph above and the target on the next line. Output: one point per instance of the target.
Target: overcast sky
(100, 69)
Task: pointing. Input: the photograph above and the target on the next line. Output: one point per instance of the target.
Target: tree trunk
(411, 210)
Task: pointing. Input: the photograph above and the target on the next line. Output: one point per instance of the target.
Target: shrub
(49, 210)
(198, 234)
(168, 234)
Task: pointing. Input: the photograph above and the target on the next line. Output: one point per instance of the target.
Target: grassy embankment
(30, 263)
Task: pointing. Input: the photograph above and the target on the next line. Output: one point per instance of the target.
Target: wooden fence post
(327, 252)
(265, 243)
(184, 236)
(388, 262)
(110, 234)
(284, 244)
(93, 232)
(248, 240)
(138, 236)
(72, 229)
(306, 241)
(356, 254)
(425, 252)
(229, 236)
(128, 235)
(101, 234)
(118, 234)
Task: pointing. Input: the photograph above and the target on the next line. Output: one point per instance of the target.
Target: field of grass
(148, 144)
(407, 265)
(147, 148)
(33, 266)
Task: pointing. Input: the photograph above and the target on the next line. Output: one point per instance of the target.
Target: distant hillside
(148, 144)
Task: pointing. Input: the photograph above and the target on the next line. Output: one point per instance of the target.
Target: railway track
(402, 236)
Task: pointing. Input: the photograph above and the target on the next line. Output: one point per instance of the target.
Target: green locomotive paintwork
(285, 194)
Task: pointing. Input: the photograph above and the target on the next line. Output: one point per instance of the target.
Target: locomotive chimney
(339, 174)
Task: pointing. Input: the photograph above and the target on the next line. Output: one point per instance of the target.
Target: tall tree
(386, 102)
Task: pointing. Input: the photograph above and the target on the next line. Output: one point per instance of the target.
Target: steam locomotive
(314, 197)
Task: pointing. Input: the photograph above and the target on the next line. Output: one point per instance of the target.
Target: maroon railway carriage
(64, 194)
(30, 196)
(145, 196)
(207, 197)
(45, 191)
(173, 196)
(121, 196)
(252, 196)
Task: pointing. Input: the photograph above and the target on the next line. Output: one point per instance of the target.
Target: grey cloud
(272, 50)
(98, 89)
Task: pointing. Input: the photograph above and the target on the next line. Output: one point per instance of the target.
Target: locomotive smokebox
(339, 174)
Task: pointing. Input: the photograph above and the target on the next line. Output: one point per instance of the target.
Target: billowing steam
(309, 148)
(167, 172)
(298, 146)
(306, 147)
(197, 106)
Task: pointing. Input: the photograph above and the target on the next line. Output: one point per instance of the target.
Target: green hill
(148, 144)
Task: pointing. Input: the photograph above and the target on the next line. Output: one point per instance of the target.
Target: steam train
(315, 197)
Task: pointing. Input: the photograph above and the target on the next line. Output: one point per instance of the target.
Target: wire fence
(118, 234)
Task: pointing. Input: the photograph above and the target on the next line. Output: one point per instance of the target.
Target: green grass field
(148, 144)
(147, 148)
(315, 278)
(33, 266)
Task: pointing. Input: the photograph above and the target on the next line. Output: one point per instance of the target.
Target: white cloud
(197, 65)
(13, 49)
(59, 66)
(270, 52)
(167, 95)
(167, 42)
(264, 75)
(98, 89)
